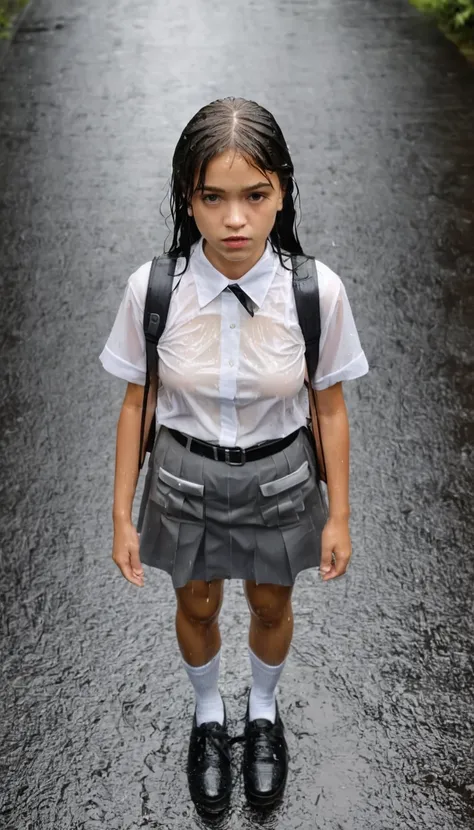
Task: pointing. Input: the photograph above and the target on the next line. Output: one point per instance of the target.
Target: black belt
(233, 455)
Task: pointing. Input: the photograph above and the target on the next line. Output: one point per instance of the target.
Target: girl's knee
(200, 602)
(269, 603)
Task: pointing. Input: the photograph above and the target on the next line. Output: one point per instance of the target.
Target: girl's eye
(212, 198)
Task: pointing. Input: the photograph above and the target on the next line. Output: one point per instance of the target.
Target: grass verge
(455, 18)
(9, 9)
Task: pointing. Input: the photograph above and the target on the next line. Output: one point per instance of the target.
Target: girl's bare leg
(199, 639)
(270, 635)
(271, 621)
(197, 615)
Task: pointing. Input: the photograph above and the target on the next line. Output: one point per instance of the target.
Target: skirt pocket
(178, 498)
(282, 500)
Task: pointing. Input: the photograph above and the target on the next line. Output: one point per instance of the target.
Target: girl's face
(237, 201)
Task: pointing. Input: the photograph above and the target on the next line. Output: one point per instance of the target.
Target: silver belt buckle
(234, 463)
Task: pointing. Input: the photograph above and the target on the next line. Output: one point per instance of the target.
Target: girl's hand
(336, 548)
(126, 552)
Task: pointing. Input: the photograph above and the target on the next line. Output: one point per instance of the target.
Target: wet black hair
(250, 130)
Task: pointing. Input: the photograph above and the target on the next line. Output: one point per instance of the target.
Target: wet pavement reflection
(377, 697)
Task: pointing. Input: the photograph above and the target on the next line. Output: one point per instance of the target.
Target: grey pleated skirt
(207, 520)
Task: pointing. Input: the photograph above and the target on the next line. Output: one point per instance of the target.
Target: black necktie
(242, 298)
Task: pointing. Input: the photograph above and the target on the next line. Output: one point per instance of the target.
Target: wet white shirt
(226, 377)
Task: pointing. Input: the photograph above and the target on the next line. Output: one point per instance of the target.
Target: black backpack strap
(306, 291)
(155, 314)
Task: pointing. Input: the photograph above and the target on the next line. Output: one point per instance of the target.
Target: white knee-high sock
(262, 700)
(209, 704)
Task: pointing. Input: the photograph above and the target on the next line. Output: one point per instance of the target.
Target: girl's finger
(128, 573)
(326, 560)
(330, 574)
(135, 563)
(341, 563)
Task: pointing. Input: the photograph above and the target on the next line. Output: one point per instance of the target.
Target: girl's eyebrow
(244, 189)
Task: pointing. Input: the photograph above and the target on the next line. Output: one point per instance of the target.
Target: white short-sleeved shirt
(226, 377)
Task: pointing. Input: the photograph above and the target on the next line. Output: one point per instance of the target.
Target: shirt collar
(210, 282)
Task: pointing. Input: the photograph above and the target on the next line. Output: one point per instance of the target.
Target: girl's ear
(280, 199)
(189, 207)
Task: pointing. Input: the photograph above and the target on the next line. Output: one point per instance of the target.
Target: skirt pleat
(208, 520)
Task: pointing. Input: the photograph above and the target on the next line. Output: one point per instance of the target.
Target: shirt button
(231, 362)
(232, 325)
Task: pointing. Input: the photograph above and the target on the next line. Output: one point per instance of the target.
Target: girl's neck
(231, 270)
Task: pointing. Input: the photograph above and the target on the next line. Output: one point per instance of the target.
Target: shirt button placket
(230, 345)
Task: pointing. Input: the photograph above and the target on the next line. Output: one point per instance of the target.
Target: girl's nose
(235, 218)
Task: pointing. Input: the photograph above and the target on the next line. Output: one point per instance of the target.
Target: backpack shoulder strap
(157, 303)
(306, 291)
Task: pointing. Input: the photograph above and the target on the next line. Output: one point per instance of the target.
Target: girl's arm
(126, 452)
(334, 426)
(126, 542)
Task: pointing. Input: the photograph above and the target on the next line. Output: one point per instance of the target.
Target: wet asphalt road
(377, 696)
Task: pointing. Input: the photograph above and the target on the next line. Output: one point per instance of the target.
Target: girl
(231, 375)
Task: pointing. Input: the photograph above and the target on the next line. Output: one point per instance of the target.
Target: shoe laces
(213, 734)
(266, 737)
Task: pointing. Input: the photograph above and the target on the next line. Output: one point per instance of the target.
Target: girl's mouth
(235, 241)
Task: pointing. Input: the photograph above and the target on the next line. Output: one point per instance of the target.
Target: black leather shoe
(265, 762)
(209, 766)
